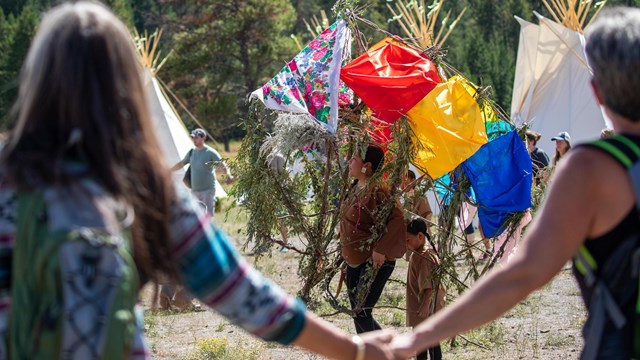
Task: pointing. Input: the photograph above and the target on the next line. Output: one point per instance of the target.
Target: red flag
(391, 78)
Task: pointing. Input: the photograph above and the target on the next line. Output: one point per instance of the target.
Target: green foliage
(18, 23)
(217, 62)
(271, 197)
(123, 9)
(19, 30)
(226, 58)
(6, 39)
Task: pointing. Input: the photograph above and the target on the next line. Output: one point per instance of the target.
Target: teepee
(173, 136)
(551, 90)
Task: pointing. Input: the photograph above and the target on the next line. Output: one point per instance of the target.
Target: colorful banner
(448, 126)
(500, 173)
(390, 78)
(310, 83)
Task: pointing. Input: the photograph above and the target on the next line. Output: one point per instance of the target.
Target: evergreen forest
(221, 50)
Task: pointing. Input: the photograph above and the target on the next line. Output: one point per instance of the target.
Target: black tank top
(615, 343)
(602, 246)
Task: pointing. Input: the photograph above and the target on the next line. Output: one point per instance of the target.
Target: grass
(559, 340)
(220, 348)
(516, 335)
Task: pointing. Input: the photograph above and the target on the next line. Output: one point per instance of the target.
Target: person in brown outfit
(365, 253)
(414, 202)
(425, 293)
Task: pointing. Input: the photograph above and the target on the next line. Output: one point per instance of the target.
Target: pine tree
(123, 9)
(221, 60)
(21, 31)
(6, 39)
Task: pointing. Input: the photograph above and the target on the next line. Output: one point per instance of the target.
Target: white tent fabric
(173, 137)
(551, 88)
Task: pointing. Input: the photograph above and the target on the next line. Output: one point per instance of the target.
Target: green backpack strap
(627, 153)
(55, 312)
(33, 284)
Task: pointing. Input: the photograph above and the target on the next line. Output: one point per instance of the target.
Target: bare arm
(323, 338)
(177, 166)
(180, 164)
(564, 222)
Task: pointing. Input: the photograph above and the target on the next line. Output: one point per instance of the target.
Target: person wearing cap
(563, 144)
(203, 161)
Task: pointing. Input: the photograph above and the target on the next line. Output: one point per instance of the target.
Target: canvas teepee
(173, 136)
(551, 90)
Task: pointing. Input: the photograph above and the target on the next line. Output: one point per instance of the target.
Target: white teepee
(551, 88)
(174, 139)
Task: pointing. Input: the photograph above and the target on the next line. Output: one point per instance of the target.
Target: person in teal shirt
(203, 161)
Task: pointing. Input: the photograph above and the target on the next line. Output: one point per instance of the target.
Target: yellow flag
(448, 125)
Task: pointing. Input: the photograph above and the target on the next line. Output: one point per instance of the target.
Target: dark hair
(411, 175)
(375, 156)
(533, 136)
(557, 155)
(612, 44)
(82, 98)
(417, 226)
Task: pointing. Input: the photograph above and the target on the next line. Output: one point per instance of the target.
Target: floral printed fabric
(310, 83)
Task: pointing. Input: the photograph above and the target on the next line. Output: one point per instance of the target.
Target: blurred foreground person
(595, 181)
(89, 214)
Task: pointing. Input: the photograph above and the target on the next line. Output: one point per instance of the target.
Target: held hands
(403, 346)
(376, 345)
(385, 344)
(378, 259)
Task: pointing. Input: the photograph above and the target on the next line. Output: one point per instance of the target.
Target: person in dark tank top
(590, 205)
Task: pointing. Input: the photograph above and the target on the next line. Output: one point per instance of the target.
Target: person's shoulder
(539, 152)
(211, 150)
(425, 254)
(587, 158)
(589, 165)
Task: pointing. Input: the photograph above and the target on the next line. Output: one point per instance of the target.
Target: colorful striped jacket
(212, 270)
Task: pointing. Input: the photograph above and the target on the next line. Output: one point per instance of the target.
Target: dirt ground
(544, 326)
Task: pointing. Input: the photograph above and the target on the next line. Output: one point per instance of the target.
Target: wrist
(360, 347)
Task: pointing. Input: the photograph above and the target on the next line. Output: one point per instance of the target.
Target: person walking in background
(203, 161)
(83, 151)
(364, 253)
(591, 181)
(539, 158)
(425, 292)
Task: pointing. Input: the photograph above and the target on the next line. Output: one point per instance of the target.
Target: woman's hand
(378, 259)
(402, 346)
(377, 345)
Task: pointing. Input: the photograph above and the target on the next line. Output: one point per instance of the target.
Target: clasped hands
(387, 345)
